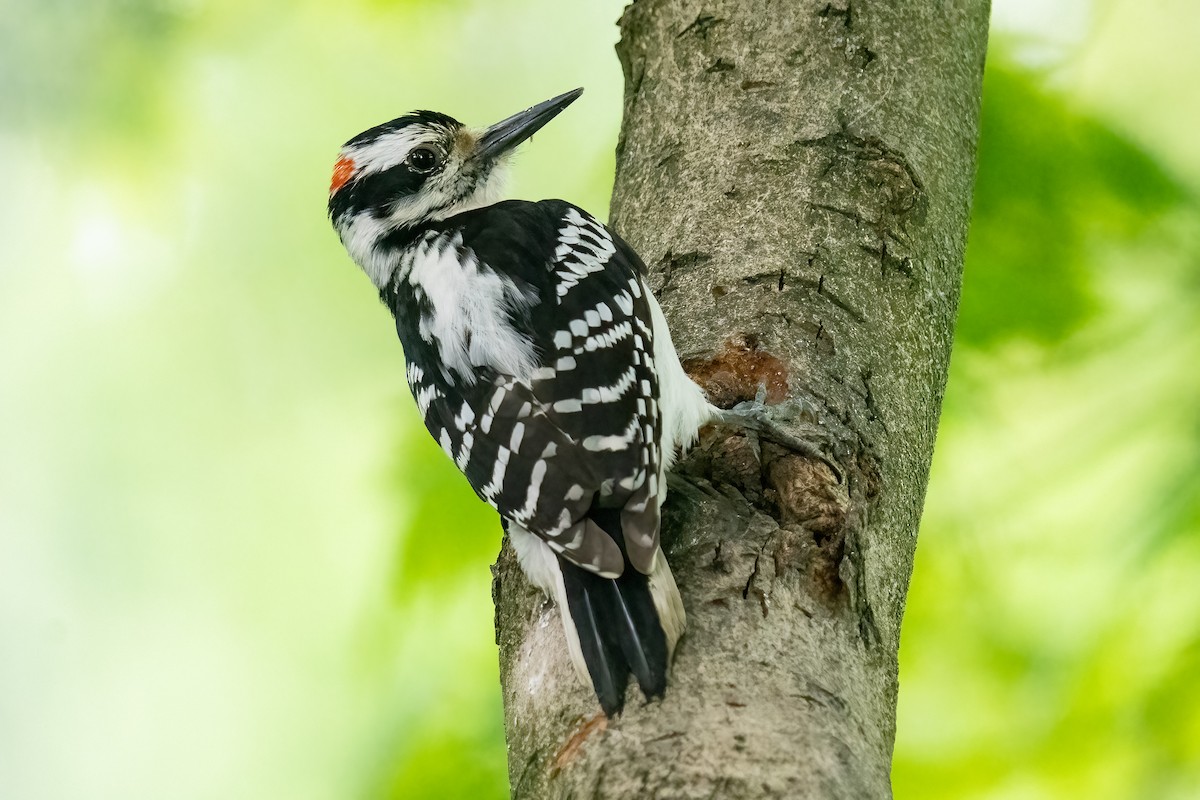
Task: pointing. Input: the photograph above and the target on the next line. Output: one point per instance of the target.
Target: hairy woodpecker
(543, 367)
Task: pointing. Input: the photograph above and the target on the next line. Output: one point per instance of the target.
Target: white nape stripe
(390, 149)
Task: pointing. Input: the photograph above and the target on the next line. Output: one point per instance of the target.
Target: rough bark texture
(797, 176)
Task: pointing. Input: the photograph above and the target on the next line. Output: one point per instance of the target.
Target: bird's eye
(423, 159)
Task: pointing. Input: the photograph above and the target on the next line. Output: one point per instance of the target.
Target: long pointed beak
(507, 134)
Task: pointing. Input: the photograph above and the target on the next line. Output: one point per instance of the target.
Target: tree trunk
(797, 176)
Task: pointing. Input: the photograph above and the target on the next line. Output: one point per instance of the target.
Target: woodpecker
(542, 365)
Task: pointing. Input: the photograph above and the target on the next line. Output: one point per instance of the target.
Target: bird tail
(624, 625)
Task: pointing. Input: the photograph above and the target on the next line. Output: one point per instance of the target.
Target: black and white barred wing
(518, 460)
(600, 381)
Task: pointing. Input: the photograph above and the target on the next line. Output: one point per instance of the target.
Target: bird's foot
(777, 423)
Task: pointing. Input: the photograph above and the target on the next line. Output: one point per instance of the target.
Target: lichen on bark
(797, 177)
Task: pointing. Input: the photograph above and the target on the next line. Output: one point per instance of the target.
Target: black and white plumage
(542, 366)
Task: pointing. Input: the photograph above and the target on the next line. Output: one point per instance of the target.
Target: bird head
(420, 168)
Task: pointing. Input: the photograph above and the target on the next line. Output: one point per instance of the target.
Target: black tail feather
(605, 666)
(618, 626)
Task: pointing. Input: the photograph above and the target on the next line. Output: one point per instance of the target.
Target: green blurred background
(231, 565)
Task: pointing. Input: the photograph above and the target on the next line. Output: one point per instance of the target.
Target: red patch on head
(342, 171)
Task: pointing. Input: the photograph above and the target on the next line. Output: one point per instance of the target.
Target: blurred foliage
(1051, 182)
(436, 548)
(1052, 632)
(232, 564)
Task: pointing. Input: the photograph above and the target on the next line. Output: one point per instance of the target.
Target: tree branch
(798, 177)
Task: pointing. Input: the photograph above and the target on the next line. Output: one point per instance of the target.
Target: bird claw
(756, 416)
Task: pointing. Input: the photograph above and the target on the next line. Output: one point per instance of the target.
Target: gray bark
(797, 176)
